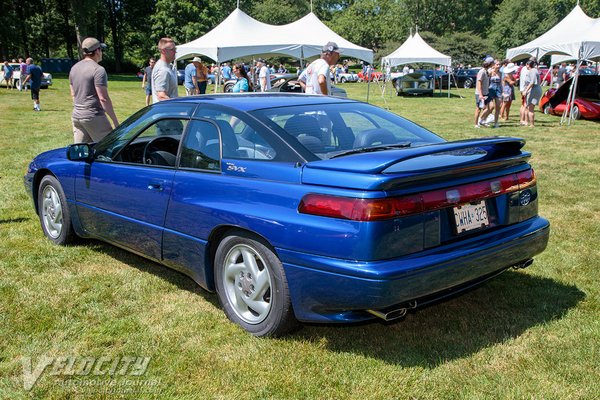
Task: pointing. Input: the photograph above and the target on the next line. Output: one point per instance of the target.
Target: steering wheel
(151, 147)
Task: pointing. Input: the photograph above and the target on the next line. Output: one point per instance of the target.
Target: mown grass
(528, 334)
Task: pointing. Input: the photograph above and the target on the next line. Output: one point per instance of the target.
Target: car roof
(257, 101)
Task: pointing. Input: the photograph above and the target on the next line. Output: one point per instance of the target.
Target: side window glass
(111, 145)
(155, 145)
(240, 140)
(201, 147)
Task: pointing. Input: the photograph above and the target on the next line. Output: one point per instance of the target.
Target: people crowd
(92, 106)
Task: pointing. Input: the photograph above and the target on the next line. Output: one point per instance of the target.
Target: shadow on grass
(500, 310)
(13, 220)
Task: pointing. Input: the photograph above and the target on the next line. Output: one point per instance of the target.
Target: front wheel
(252, 287)
(54, 212)
(468, 84)
(576, 113)
(547, 108)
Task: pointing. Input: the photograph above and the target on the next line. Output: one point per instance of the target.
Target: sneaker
(478, 126)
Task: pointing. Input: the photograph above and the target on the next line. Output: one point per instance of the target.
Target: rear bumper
(333, 290)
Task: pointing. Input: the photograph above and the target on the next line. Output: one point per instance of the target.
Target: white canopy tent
(576, 36)
(240, 35)
(416, 50)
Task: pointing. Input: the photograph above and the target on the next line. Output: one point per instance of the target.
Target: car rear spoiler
(393, 168)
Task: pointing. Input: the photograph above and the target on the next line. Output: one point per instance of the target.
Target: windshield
(329, 130)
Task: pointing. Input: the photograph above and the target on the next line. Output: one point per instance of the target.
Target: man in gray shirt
(89, 90)
(164, 77)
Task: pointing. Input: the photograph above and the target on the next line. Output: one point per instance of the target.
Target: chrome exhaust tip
(394, 313)
(523, 264)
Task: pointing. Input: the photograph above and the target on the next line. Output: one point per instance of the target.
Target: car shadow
(498, 311)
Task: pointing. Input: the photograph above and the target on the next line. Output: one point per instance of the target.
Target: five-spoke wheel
(251, 285)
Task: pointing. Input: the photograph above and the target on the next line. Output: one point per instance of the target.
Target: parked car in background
(344, 77)
(46, 77)
(296, 207)
(181, 77)
(375, 75)
(587, 98)
(466, 77)
(414, 84)
(287, 83)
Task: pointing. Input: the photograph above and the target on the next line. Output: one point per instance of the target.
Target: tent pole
(368, 87)
(218, 80)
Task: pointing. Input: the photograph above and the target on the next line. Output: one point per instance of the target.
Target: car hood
(587, 87)
(380, 169)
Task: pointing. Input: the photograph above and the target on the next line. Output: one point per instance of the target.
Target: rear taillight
(393, 207)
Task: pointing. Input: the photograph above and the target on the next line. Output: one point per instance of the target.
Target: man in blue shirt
(226, 72)
(34, 75)
(190, 79)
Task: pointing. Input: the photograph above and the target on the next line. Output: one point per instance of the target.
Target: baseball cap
(331, 47)
(197, 59)
(90, 44)
(489, 60)
(261, 60)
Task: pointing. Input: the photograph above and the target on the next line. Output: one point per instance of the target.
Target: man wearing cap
(190, 81)
(89, 89)
(264, 75)
(164, 77)
(318, 79)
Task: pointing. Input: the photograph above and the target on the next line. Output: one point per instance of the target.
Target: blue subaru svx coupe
(297, 208)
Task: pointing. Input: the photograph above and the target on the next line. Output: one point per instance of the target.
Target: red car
(587, 98)
(374, 75)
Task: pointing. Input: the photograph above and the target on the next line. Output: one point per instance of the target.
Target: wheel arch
(35, 187)
(215, 238)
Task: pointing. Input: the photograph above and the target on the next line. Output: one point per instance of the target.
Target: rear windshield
(328, 130)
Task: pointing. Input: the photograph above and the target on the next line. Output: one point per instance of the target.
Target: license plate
(470, 216)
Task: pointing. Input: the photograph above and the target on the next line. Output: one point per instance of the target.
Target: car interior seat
(307, 130)
(374, 137)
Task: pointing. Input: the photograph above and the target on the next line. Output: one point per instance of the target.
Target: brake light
(357, 209)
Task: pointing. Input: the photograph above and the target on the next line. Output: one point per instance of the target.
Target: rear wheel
(251, 285)
(576, 113)
(468, 83)
(54, 212)
(343, 80)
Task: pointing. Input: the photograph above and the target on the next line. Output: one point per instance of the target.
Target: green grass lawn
(532, 333)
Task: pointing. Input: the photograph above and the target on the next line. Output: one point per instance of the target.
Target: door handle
(155, 186)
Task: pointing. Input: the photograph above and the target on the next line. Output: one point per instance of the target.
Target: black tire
(53, 211)
(468, 83)
(547, 108)
(237, 285)
(228, 87)
(343, 80)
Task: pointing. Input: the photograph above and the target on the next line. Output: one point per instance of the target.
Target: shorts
(534, 95)
(495, 92)
(89, 130)
(35, 94)
(485, 101)
(148, 90)
(202, 87)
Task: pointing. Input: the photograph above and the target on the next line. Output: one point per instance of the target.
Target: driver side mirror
(79, 152)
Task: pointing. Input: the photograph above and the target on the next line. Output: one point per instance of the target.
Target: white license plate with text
(471, 216)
